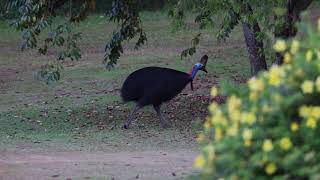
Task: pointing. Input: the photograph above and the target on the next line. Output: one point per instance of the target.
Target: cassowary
(155, 85)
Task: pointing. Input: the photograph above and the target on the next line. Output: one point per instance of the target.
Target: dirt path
(97, 165)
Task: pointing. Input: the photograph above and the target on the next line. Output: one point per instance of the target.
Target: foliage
(231, 13)
(37, 15)
(195, 41)
(269, 128)
(49, 72)
(178, 17)
(103, 5)
(4, 13)
(270, 17)
(125, 13)
(34, 17)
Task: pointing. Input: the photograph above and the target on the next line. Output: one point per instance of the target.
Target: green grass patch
(79, 105)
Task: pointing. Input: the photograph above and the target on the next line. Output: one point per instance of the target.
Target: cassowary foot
(163, 121)
(130, 118)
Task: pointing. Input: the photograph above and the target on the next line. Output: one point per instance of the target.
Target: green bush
(269, 129)
(5, 13)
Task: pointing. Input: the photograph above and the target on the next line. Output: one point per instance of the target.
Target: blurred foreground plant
(269, 129)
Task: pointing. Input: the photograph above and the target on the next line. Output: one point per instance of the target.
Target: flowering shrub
(269, 128)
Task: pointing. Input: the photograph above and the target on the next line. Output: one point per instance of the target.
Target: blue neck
(194, 72)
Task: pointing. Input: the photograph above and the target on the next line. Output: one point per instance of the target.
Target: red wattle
(190, 73)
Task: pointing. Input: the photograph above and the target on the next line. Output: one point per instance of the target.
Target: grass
(85, 105)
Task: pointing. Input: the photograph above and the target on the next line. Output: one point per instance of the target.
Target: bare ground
(97, 165)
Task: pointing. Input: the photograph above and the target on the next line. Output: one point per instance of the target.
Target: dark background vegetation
(98, 6)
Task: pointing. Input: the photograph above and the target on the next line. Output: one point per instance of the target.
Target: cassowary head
(199, 66)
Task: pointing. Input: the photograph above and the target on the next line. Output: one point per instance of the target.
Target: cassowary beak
(204, 69)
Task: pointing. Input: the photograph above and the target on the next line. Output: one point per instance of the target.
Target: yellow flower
(294, 46)
(280, 46)
(276, 74)
(233, 103)
(218, 134)
(267, 145)
(285, 143)
(207, 125)
(256, 84)
(214, 92)
(232, 131)
(270, 168)
(249, 118)
(311, 123)
(199, 162)
(219, 119)
(318, 83)
(307, 87)
(247, 134)
(294, 126)
(253, 96)
(287, 58)
(309, 56)
(315, 112)
(210, 151)
(200, 138)
(213, 107)
(304, 111)
(247, 142)
(235, 115)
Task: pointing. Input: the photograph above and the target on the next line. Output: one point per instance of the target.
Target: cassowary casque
(155, 85)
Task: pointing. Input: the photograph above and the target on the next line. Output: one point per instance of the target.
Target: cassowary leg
(131, 116)
(164, 123)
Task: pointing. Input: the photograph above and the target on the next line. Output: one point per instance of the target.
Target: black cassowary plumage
(155, 85)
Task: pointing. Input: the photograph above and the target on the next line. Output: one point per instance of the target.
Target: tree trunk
(288, 30)
(92, 5)
(254, 47)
